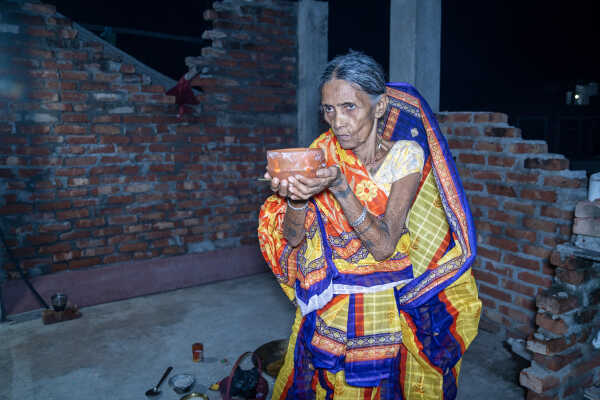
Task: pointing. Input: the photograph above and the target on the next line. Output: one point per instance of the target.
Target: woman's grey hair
(359, 69)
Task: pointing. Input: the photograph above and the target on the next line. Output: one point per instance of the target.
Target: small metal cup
(59, 301)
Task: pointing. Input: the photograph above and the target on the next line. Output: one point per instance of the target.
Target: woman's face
(349, 112)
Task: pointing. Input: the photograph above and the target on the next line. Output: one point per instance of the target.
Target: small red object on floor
(198, 352)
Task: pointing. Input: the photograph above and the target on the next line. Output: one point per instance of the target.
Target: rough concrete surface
(119, 350)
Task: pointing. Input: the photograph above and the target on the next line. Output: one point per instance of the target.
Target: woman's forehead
(339, 91)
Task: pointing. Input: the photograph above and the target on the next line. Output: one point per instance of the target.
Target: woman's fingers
(274, 184)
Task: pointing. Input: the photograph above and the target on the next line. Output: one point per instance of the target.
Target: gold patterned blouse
(404, 158)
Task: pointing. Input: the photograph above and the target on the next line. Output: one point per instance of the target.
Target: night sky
(496, 54)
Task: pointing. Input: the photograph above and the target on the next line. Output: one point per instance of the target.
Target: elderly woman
(375, 251)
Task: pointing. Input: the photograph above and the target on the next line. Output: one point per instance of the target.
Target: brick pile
(522, 199)
(95, 165)
(566, 345)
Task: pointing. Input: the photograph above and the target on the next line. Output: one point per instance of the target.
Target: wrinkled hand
(299, 187)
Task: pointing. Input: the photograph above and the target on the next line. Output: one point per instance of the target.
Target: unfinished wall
(566, 345)
(522, 199)
(95, 166)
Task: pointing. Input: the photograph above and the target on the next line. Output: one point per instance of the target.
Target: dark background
(516, 57)
(495, 53)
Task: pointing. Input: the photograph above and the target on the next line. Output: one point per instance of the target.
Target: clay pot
(283, 163)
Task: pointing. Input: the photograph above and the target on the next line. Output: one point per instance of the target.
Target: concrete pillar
(312, 58)
(415, 46)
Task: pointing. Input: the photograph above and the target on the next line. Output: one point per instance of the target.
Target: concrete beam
(415, 46)
(312, 58)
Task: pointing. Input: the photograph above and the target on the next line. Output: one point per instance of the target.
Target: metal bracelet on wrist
(304, 207)
(360, 219)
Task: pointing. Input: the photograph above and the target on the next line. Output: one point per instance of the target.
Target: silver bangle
(360, 219)
(304, 207)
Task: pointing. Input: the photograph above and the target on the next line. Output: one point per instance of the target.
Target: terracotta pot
(283, 163)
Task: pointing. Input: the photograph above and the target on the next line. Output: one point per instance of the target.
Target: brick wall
(96, 167)
(522, 199)
(566, 344)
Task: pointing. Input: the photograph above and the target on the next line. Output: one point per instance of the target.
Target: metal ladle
(154, 391)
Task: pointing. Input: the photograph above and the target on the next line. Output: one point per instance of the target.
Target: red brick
(460, 144)
(471, 158)
(553, 241)
(42, 238)
(115, 258)
(556, 326)
(487, 303)
(484, 226)
(537, 380)
(77, 161)
(526, 147)
(537, 251)
(74, 75)
(488, 175)
(16, 208)
(503, 244)
(521, 234)
(522, 262)
(518, 287)
(502, 132)
(128, 247)
(77, 213)
(484, 201)
(514, 314)
(501, 216)
(55, 205)
(503, 271)
(574, 277)
(501, 161)
(500, 190)
(55, 248)
(489, 146)
(541, 195)
(57, 227)
(534, 279)
(488, 253)
(526, 303)
(525, 178)
(569, 261)
(561, 181)
(481, 117)
(555, 304)
(97, 251)
(495, 293)
(85, 262)
(551, 164)
(106, 129)
(75, 118)
(539, 225)
(72, 193)
(486, 277)
(554, 212)
(73, 96)
(70, 129)
(471, 186)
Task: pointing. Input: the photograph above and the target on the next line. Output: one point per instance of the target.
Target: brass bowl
(194, 395)
(271, 356)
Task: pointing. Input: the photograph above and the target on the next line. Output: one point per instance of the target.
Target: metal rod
(22, 273)
(139, 32)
